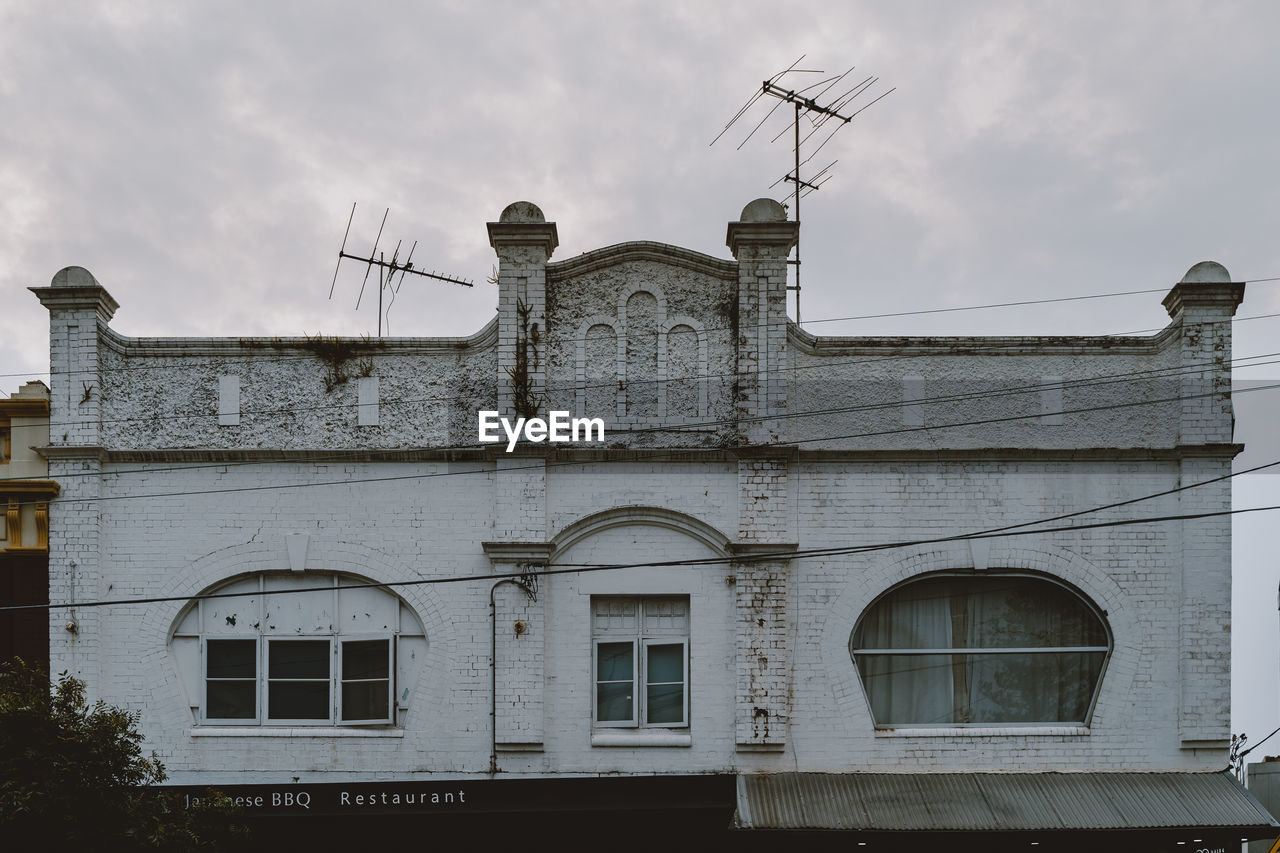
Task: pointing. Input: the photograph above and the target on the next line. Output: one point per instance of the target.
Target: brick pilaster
(79, 310)
(524, 241)
(761, 241)
(1202, 305)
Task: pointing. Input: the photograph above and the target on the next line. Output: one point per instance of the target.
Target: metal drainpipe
(532, 592)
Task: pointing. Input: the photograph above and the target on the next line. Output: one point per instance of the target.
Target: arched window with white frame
(980, 649)
(289, 649)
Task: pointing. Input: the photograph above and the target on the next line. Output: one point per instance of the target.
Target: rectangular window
(231, 680)
(641, 661)
(298, 680)
(366, 668)
(615, 683)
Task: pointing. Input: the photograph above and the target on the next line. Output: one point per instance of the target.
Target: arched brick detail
(156, 621)
(641, 515)
(1095, 584)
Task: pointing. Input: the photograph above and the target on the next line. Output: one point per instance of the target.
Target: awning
(999, 802)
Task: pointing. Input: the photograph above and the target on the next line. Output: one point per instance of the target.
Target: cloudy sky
(201, 160)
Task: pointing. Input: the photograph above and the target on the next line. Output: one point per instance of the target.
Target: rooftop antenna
(805, 101)
(387, 269)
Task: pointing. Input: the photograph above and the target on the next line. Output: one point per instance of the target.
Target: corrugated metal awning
(997, 802)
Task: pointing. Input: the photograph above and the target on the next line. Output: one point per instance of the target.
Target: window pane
(1026, 613)
(666, 662)
(366, 700)
(666, 703)
(298, 700)
(972, 613)
(231, 659)
(909, 688)
(366, 659)
(614, 702)
(299, 659)
(1030, 688)
(614, 661)
(232, 700)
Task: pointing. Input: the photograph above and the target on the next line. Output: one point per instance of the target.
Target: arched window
(980, 649)
(280, 648)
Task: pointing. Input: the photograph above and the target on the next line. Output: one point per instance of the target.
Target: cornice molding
(62, 452)
(29, 488)
(789, 453)
(642, 250)
(898, 345)
(518, 552)
(294, 346)
(24, 407)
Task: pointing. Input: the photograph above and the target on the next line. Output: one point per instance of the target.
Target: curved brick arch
(701, 368)
(580, 363)
(652, 288)
(157, 621)
(1093, 583)
(622, 516)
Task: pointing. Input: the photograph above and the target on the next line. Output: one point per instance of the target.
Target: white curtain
(909, 688)
(959, 683)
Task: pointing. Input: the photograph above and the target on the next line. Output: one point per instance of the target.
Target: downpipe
(528, 583)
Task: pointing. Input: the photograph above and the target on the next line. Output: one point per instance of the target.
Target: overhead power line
(574, 340)
(686, 381)
(561, 569)
(683, 451)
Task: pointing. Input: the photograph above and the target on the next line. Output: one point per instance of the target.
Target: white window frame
(339, 680)
(257, 681)
(683, 722)
(397, 704)
(595, 684)
(266, 680)
(640, 642)
(856, 653)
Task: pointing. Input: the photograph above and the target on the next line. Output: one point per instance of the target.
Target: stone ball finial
(1207, 272)
(73, 277)
(764, 210)
(522, 212)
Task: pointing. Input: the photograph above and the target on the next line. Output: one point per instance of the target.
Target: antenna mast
(387, 269)
(838, 109)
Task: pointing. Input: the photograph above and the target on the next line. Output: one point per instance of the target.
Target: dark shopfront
(1034, 813)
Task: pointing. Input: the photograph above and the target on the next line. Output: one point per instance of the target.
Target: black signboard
(475, 796)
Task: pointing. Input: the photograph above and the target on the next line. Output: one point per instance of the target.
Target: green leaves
(75, 773)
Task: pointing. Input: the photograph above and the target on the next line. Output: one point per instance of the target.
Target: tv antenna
(387, 269)
(805, 101)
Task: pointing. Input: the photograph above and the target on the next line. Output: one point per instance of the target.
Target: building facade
(25, 492)
(792, 562)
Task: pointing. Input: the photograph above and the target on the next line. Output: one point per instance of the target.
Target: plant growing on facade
(335, 353)
(525, 402)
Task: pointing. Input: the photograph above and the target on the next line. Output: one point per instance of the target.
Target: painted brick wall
(159, 499)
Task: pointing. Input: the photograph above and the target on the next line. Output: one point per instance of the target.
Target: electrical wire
(669, 451)
(561, 569)
(1104, 379)
(293, 343)
(1258, 744)
(1156, 372)
(678, 382)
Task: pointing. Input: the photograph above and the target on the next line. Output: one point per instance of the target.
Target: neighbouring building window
(640, 661)
(298, 650)
(989, 649)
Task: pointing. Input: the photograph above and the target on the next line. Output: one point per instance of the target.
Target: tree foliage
(72, 773)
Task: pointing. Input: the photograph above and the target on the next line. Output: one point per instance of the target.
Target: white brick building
(748, 470)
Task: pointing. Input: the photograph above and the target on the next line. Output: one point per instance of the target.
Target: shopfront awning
(999, 802)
